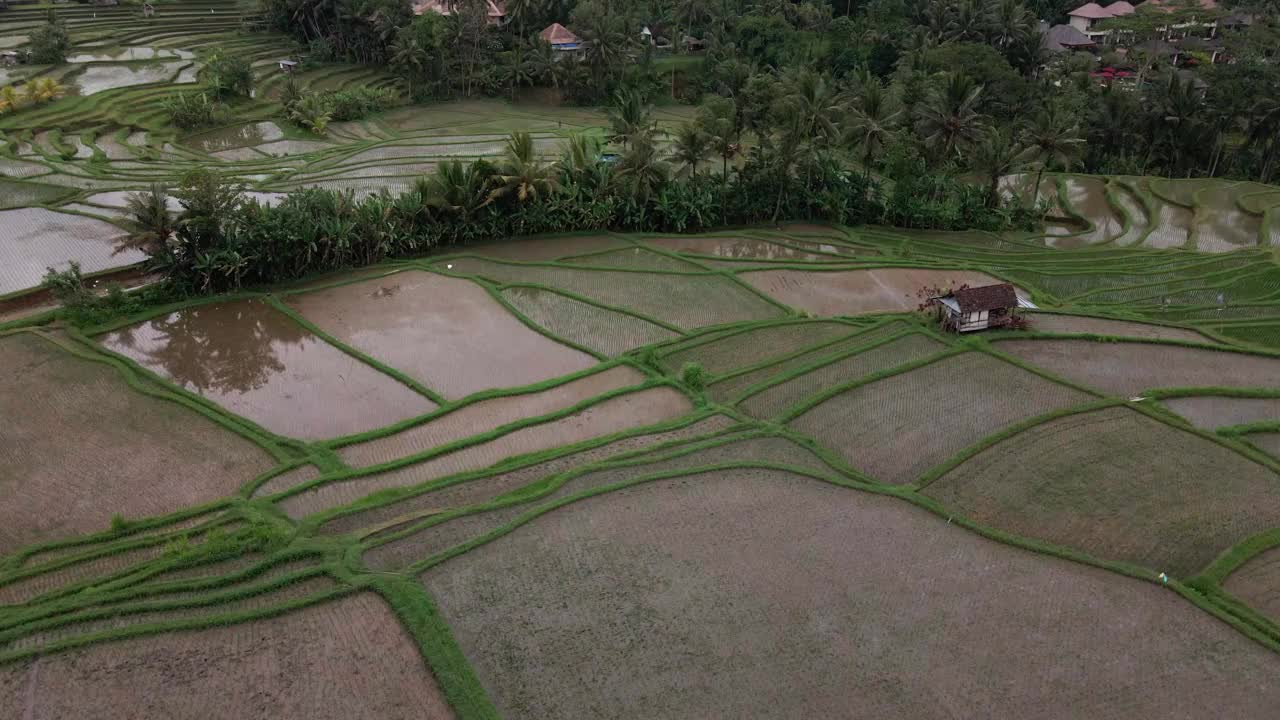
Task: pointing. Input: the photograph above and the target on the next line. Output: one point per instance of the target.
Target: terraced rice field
(734, 474)
(497, 465)
(1118, 485)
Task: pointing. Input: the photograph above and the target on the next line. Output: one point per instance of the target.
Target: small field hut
(979, 308)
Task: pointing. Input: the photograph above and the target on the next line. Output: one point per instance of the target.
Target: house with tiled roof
(495, 10)
(1086, 17)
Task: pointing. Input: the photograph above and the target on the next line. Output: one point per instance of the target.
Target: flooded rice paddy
(449, 333)
(35, 239)
(259, 363)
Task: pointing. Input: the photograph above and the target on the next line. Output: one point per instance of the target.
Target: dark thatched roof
(989, 297)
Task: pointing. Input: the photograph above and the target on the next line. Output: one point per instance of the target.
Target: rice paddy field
(735, 474)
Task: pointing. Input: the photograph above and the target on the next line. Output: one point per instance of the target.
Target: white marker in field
(1164, 578)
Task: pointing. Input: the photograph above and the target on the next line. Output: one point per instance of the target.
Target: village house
(495, 10)
(979, 308)
(560, 38)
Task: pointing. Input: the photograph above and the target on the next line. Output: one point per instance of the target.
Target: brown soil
(486, 415)
(258, 363)
(759, 594)
(21, 591)
(344, 659)
(852, 292)
(1267, 442)
(479, 490)
(729, 388)
(897, 428)
(773, 401)
(645, 407)
(447, 332)
(1055, 323)
(289, 593)
(739, 350)
(1257, 583)
(1211, 411)
(88, 447)
(48, 556)
(288, 479)
(1119, 486)
(1126, 369)
(423, 544)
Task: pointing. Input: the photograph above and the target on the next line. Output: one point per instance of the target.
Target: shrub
(50, 42)
(68, 288)
(694, 376)
(191, 110)
(228, 75)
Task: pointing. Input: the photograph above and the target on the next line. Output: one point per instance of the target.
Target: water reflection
(224, 347)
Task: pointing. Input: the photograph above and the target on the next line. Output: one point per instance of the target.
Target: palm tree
(812, 103)
(456, 189)
(41, 90)
(521, 12)
(9, 99)
(641, 170)
(1264, 133)
(950, 122)
(630, 117)
(1052, 139)
(150, 223)
(692, 146)
(522, 177)
(718, 118)
(1180, 125)
(872, 121)
(409, 58)
(999, 154)
(543, 63)
(311, 112)
(581, 160)
(607, 37)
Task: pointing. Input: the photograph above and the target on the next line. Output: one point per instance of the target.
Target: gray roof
(1064, 37)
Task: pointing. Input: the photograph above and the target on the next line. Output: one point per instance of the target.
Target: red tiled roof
(557, 34)
(494, 8)
(987, 297)
(1094, 11)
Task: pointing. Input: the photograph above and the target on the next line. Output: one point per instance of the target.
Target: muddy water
(132, 53)
(1173, 225)
(34, 239)
(1088, 198)
(850, 292)
(446, 332)
(1221, 225)
(258, 363)
(97, 78)
(1138, 221)
(1211, 411)
(752, 248)
(234, 137)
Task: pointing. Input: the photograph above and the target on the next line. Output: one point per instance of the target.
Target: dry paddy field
(1120, 486)
(1128, 368)
(604, 476)
(347, 658)
(77, 437)
(855, 292)
(764, 594)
